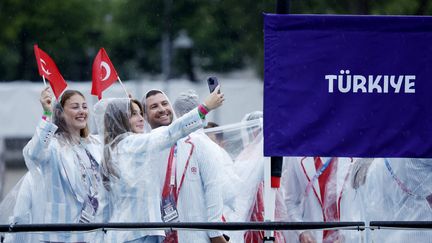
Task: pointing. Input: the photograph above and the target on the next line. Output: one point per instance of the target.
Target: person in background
(313, 189)
(394, 189)
(217, 137)
(26, 209)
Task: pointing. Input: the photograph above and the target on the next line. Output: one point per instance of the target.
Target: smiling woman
(71, 115)
(136, 119)
(132, 158)
(65, 159)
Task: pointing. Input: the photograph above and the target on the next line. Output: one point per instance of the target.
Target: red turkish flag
(104, 73)
(48, 69)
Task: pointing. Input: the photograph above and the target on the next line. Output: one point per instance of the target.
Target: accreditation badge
(169, 209)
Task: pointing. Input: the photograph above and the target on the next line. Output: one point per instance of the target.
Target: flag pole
(124, 88)
(43, 77)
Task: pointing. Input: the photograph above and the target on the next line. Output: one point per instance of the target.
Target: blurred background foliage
(226, 34)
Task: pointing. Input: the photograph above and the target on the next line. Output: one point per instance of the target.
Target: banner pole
(43, 77)
(282, 6)
(272, 182)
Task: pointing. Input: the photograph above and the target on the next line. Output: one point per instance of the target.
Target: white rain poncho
(64, 181)
(352, 201)
(313, 191)
(21, 206)
(398, 189)
(185, 103)
(229, 180)
(206, 176)
(247, 166)
(243, 143)
(133, 164)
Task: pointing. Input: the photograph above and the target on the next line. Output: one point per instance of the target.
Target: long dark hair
(59, 120)
(116, 123)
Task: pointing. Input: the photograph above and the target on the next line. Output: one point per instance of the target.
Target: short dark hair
(150, 93)
(219, 136)
(211, 124)
(153, 92)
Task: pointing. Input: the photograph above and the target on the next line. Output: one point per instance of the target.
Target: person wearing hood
(22, 202)
(225, 165)
(131, 165)
(192, 178)
(395, 189)
(65, 160)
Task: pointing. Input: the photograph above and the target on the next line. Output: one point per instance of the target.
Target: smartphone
(212, 83)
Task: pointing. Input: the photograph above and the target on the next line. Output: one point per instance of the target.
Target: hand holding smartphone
(212, 84)
(214, 100)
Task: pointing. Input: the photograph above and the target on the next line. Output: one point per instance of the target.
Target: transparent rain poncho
(132, 164)
(248, 159)
(314, 190)
(188, 101)
(185, 103)
(215, 189)
(22, 206)
(128, 168)
(64, 180)
(243, 143)
(396, 189)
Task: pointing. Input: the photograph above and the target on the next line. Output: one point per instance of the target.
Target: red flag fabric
(48, 69)
(104, 73)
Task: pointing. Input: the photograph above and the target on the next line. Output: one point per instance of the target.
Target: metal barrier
(231, 226)
(400, 224)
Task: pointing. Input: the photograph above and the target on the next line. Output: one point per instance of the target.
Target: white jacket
(200, 196)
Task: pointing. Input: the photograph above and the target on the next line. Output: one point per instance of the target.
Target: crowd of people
(154, 161)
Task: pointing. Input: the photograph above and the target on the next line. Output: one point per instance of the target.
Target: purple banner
(351, 86)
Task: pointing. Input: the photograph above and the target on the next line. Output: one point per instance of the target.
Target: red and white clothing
(198, 184)
(312, 193)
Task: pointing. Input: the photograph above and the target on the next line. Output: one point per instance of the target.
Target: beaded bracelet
(203, 109)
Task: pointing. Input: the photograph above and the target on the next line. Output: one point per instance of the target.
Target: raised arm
(166, 136)
(37, 149)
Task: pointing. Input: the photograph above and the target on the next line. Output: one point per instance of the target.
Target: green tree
(64, 29)
(227, 34)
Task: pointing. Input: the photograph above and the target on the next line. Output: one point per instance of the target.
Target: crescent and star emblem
(105, 66)
(46, 71)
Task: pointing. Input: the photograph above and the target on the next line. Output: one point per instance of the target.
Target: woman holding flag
(65, 159)
(132, 161)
